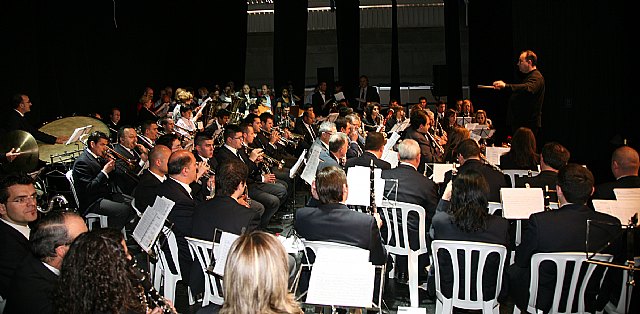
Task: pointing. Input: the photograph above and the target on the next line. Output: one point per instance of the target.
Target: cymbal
(25, 144)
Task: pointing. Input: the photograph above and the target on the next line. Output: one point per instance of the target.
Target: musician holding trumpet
(131, 158)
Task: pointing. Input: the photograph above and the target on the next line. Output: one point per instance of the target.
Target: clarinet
(372, 208)
(150, 296)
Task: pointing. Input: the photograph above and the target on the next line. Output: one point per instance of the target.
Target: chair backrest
(577, 288)
(484, 250)
(69, 176)
(201, 250)
(390, 215)
(513, 173)
(493, 206)
(173, 249)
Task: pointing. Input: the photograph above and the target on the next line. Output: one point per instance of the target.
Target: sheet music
(334, 275)
(309, 172)
(339, 96)
(520, 203)
(493, 153)
(77, 133)
(439, 170)
(401, 126)
(226, 240)
(411, 310)
(392, 158)
(360, 191)
(623, 210)
(151, 222)
(296, 166)
(463, 120)
(292, 244)
(628, 194)
(388, 150)
(332, 117)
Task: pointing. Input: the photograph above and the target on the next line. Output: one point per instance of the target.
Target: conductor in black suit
(468, 154)
(333, 221)
(562, 230)
(624, 166)
(92, 172)
(21, 104)
(37, 276)
(144, 193)
(553, 157)
(17, 210)
(373, 148)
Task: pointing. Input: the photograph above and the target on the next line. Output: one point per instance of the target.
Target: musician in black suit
(553, 157)
(562, 230)
(420, 123)
(92, 172)
(112, 124)
(35, 279)
(308, 129)
(21, 104)
(373, 148)
(149, 134)
(624, 166)
(321, 100)
(221, 120)
(356, 141)
(333, 221)
(338, 144)
(412, 188)
(17, 211)
(144, 193)
(127, 171)
(468, 153)
(366, 94)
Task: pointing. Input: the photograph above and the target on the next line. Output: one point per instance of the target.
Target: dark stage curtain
(290, 45)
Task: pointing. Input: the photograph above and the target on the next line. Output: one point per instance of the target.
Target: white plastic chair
(164, 278)
(444, 305)
(201, 250)
(493, 206)
(513, 173)
(91, 218)
(575, 291)
(401, 246)
(625, 296)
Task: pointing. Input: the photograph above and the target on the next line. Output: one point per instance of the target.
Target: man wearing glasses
(18, 208)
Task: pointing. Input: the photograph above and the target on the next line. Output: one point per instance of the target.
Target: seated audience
(523, 154)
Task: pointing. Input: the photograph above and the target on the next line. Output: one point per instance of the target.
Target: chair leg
(412, 260)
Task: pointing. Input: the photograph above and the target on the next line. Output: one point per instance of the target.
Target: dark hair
(265, 116)
(448, 114)
(121, 130)
(95, 137)
(468, 148)
(184, 108)
(200, 138)
(329, 184)
(576, 183)
(50, 232)
(231, 130)
(555, 155)
(146, 125)
(454, 138)
(469, 201)
(421, 98)
(16, 100)
(229, 175)
(178, 161)
(167, 139)
(418, 118)
(245, 127)
(374, 141)
(223, 113)
(523, 149)
(251, 117)
(11, 180)
(96, 276)
(341, 123)
(530, 56)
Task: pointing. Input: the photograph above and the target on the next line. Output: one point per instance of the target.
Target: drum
(65, 127)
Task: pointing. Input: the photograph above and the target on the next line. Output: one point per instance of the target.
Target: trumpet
(266, 160)
(283, 140)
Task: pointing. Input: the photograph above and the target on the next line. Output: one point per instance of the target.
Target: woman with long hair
(97, 277)
(372, 119)
(454, 138)
(256, 277)
(522, 154)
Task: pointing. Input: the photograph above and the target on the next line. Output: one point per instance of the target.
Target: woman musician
(373, 120)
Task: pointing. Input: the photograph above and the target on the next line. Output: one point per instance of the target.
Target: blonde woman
(256, 277)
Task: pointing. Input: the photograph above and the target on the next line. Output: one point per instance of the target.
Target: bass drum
(64, 127)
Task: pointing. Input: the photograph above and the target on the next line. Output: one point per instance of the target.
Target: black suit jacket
(319, 107)
(495, 178)
(427, 152)
(126, 178)
(308, 137)
(31, 288)
(338, 223)
(507, 162)
(544, 178)
(224, 155)
(563, 230)
(605, 190)
(90, 182)
(365, 161)
(413, 188)
(13, 247)
(145, 192)
(223, 212)
(17, 122)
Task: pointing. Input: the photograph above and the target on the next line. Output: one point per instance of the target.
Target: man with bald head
(150, 179)
(624, 166)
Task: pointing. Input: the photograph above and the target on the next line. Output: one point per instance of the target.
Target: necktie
(239, 155)
(362, 94)
(313, 134)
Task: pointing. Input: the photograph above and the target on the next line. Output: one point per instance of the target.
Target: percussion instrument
(65, 127)
(24, 144)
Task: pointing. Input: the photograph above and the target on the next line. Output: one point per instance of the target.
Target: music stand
(628, 232)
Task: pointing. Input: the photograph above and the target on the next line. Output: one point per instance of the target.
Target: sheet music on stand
(151, 223)
(78, 133)
(621, 209)
(294, 169)
(333, 116)
(360, 190)
(520, 203)
(388, 154)
(399, 127)
(219, 252)
(493, 154)
(463, 120)
(309, 172)
(480, 130)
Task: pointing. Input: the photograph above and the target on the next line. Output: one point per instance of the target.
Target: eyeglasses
(237, 138)
(25, 199)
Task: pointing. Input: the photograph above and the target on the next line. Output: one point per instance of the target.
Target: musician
(373, 148)
(624, 166)
(469, 157)
(366, 94)
(170, 140)
(163, 105)
(307, 128)
(17, 210)
(21, 104)
(184, 99)
(356, 140)
(450, 120)
(262, 188)
(270, 140)
(325, 130)
(553, 157)
(422, 103)
(398, 116)
(203, 153)
(467, 109)
(127, 171)
(92, 178)
(36, 278)
(333, 221)
(265, 95)
(185, 125)
(144, 193)
(321, 99)
(337, 154)
(420, 123)
(112, 124)
(149, 134)
(168, 125)
(372, 119)
(286, 120)
(145, 113)
(247, 98)
(222, 118)
(441, 107)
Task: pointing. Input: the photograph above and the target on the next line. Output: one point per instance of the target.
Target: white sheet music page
(520, 203)
(493, 154)
(296, 166)
(359, 183)
(151, 222)
(335, 275)
(221, 251)
(439, 170)
(628, 203)
(77, 133)
(388, 147)
(309, 172)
